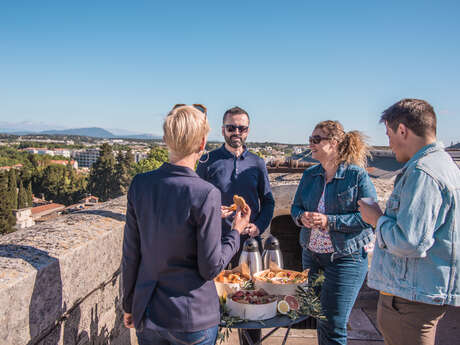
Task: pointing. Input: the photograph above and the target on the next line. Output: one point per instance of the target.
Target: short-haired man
(416, 263)
(235, 170)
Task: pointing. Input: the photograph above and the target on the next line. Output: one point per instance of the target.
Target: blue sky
(290, 64)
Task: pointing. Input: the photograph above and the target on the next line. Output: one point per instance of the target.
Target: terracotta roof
(7, 167)
(61, 162)
(48, 207)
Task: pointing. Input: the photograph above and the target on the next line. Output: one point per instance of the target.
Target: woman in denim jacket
(334, 238)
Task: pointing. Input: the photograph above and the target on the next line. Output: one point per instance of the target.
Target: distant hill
(456, 146)
(27, 128)
(87, 132)
(2, 131)
(139, 136)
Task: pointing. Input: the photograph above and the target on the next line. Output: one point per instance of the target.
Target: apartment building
(86, 158)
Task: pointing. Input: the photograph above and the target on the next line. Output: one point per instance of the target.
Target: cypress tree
(22, 196)
(129, 158)
(7, 219)
(22, 202)
(123, 172)
(30, 197)
(102, 178)
(12, 189)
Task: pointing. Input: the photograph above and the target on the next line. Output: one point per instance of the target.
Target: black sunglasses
(200, 107)
(316, 139)
(233, 128)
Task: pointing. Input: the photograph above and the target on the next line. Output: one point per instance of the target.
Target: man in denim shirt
(416, 263)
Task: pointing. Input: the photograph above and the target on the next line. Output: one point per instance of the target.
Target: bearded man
(235, 170)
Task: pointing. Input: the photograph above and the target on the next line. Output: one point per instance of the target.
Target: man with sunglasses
(235, 170)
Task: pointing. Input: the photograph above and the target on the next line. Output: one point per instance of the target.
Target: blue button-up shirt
(246, 176)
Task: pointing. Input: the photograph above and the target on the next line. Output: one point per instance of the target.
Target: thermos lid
(250, 245)
(272, 243)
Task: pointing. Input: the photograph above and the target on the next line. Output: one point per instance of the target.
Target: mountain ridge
(95, 132)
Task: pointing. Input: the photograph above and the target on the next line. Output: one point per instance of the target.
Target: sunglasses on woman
(233, 128)
(200, 107)
(316, 139)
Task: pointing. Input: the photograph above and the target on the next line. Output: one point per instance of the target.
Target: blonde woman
(333, 235)
(173, 247)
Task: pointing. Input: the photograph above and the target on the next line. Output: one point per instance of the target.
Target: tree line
(109, 177)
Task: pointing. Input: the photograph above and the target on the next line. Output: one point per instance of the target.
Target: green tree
(156, 157)
(123, 171)
(79, 184)
(33, 159)
(7, 219)
(258, 153)
(102, 181)
(52, 182)
(63, 185)
(12, 189)
(30, 197)
(129, 160)
(158, 153)
(59, 183)
(22, 196)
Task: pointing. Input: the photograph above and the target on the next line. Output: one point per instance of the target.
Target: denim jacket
(347, 229)
(417, 256)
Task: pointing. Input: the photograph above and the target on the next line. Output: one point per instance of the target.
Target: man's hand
(128, 320)
(225, 211)
(241, 220)
(314, 220)
(370, 213)
(252, 230)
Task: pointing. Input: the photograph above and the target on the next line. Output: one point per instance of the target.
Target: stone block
(59, 280)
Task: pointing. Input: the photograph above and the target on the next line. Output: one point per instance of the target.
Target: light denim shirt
(417, 256)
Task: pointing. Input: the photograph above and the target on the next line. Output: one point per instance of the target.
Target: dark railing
(288, 165)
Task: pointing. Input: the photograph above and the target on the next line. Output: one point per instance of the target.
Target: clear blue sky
(290, 64)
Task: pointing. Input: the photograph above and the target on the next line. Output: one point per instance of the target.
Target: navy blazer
(172, 249)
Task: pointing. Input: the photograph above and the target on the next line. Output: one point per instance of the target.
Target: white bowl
(252, 311)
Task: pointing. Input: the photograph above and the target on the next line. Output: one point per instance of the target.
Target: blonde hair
(183, 130)
(352, 147)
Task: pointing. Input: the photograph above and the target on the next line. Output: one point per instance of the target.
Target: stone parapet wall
(59, 280)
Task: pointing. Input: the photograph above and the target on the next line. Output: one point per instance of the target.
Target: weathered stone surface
(284, 195)
(284, 187)
(57, 272)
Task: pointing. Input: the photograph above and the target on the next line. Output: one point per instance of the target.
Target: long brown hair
(352, 147)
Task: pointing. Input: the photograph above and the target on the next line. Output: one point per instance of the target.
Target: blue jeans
(152, 337)
(343, 279)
